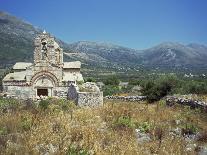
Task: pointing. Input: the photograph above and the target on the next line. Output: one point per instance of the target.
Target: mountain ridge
(16, 42)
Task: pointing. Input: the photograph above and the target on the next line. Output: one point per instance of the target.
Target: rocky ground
(55, 126)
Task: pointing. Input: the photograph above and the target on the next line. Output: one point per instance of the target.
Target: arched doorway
(44, 84)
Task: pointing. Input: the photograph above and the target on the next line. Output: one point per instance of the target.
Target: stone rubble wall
(61, 92)
(90, 99)
(126, 98)
(28, 92)
(19, 92)
(171, 100)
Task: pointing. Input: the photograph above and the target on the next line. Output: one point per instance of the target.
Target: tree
(90, 79)
(155, 90)
(112, 80)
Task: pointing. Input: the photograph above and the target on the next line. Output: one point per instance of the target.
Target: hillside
(16, 42)
(16, 39)
(165, 55)
(175, 54)
(103, 54)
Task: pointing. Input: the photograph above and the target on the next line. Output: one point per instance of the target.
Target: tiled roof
(22, 65)
(17, 76)
(75, 64)
(72, 77)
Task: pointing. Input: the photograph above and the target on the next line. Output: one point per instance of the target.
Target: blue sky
(133, 23)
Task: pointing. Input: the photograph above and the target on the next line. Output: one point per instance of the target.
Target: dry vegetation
(59, 127)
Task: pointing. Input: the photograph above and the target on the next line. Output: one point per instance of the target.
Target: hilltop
(16, 42)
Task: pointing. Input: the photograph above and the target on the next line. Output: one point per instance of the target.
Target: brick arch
(49, 75)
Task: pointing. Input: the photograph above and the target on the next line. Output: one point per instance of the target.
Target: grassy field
(60, 127)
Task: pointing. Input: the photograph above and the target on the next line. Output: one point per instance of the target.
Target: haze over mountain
(17, 36)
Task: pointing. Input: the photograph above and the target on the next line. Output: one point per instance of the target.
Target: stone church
(47, 76)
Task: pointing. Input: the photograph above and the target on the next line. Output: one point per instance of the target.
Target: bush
(66, 105)
(110, 90)
(72, 150)
(144, 127)
(9, 104)
(123, 122)
(90, 79)
(80, 82)
(44, 104)
(134, 82)
(112, 80)
(3, 131)
(196, 87)
(26, 123)
(155, 90)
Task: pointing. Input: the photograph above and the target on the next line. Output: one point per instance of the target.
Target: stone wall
(91, 99)
(61, 92)
(25, 92)
(171, 100)
(20, 92)
(127, 98)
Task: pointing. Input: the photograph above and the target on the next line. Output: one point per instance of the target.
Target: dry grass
(95, 131)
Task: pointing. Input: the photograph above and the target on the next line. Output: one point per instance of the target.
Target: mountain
(16, 39)
(175, 54)
(17, 36)
(103, 53)
(165, 55)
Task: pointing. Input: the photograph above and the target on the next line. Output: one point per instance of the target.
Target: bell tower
(47, 51)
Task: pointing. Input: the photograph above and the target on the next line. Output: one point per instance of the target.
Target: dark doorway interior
(42, 92)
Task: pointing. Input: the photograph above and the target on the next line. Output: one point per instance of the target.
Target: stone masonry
(49, 76)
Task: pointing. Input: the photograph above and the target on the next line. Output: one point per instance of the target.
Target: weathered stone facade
(47, 76)
(50, 76)
(87, 94)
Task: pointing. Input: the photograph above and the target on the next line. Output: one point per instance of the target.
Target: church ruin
(47, 76)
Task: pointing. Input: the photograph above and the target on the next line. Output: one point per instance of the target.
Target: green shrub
(112, 80)
(72, 150)
(3, 131)
(44, 104)
(110, 90)
(162, 103)
(123, 122)
(11, 104)
(26, 123)
(156, 89)
(195, 87)
(80, 82)
(144, 127)
(134, 82)
(90, 79)
(66, 105)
